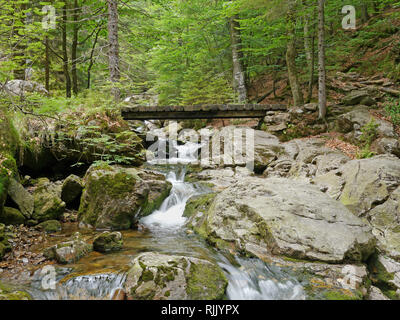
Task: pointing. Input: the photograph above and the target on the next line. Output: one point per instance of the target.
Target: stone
(22, 198)
(12, 216)
(50, 226)
(71, 190)
(47, 201)
(156, 276)
(376, 294)
(386, 145)
(312, 107)
(385, 274)
(362, 184)
(107, 242)
(115, 198)
(358, 97)
(286, 217)
(21, 87)
(70, 251)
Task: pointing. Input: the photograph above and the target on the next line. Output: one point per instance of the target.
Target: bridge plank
(222, 111)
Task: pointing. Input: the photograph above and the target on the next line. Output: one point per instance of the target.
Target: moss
(167, 293)
(206, 282)
(8, 293)
(340, 295)
(151, 205)
(147, 275)
(11, 216)
(379, 276)
(199, 203)
(50, 226)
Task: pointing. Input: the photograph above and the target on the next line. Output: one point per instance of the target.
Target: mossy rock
(198, 203)
(166, 277)
(12, 216)
(8, 293)
(108, 242)
(47, 202)
(50, 226)
(71, 189)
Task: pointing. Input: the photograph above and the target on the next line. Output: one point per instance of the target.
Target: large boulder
(12, 216)
(385, 274)
(71, 189)
(70, 251)
(287, 217)
(115, 197)
(50, 226)
(21, 87)
(47, 201)
(362, 184)
(358, 97)
(22, 198)
(155, 276)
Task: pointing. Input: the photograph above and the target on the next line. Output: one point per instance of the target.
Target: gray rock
(358, 97)
(155, 276)
(22, 198)
(286, 216)
(115, 197)
(107, 242)
(387, 145)
(47, 201)
(21, 87)
(376, 294)
(71, 189)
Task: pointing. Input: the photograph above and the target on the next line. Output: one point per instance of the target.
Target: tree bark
(321, 60)
(74, 49)
(113, 52)
(91, 59)
(291, 53)
(309, 47)
(65, 52)
(239, 76)
(47, 64)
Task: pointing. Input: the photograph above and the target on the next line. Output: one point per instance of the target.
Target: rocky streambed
(308, 222)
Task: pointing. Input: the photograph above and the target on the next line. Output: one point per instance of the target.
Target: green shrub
(393, 111)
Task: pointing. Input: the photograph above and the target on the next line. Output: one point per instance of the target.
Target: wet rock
(286, 216)
(71, 190)
(115, 197)
(50, 226)
(155, 276)
(47, 201)
(12, 216)
(70, 251)
(22, 198)
(107, 242)
(8, 293)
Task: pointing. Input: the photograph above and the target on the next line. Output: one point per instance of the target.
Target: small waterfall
(254, 280)
(84, 287)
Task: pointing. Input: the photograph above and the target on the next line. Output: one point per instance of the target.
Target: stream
(99, 277)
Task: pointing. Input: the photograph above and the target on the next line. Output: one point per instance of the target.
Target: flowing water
(99, 276)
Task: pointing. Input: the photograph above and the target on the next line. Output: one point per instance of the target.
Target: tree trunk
(298, 98)
(113, 52)
(364, 13)
(309, 47)
(65, 52)
(91, 60)
(239, 76)
(19, 52)
(74, 49)
(47, 64)
(321, 60)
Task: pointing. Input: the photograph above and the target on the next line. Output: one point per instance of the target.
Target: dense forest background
(187, 52)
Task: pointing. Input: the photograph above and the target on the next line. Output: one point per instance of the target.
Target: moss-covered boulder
(22, 198)
(71, 190)
(12, 216)
(108, 242)
(155, 276)
(9, 293)
(115, 197)
(70, 251)
(50, 226)
(4, 244)
(47, 201)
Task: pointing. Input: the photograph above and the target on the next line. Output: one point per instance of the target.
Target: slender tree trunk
(91, 60)
(309, 50)
(74, 49)
(239, 76)
(65, 52)
(298, 98)
(47, 64)
(113, 52)
(364, 13)
(321, 60)
(19, 46)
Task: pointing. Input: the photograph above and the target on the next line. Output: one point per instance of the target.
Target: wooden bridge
(220, 111)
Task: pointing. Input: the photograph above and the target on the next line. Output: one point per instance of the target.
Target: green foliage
(393, 111)
(369, 133)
